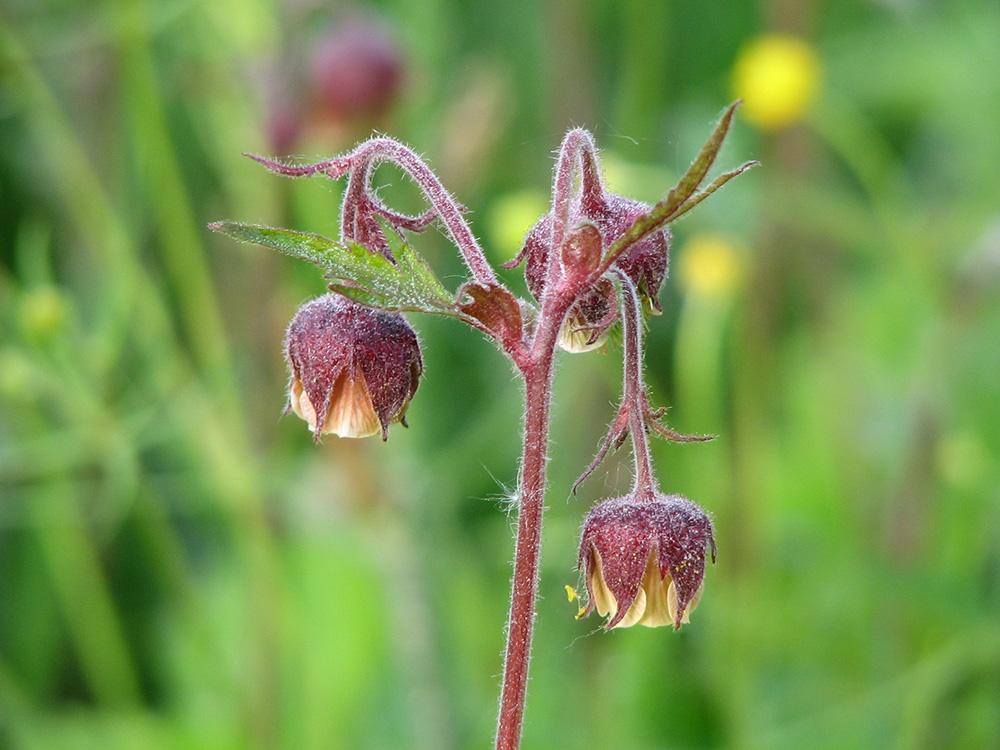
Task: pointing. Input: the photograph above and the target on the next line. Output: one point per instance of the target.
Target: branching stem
(588, 262)
(367, 155)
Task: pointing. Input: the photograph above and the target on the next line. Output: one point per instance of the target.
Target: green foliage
(408, 285)
(181, 569)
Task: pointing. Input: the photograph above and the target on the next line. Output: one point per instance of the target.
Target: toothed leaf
(356, 273)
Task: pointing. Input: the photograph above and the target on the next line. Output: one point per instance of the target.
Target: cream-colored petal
(658, 609)
(301, 405)
(604, 600)
(635, 612)
(672, 596)
(351, 412)
(649, 599)
(576, 340)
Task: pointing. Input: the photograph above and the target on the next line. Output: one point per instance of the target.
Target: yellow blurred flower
(510, 219)
(17, 376)
(710, 267)
(778, 78)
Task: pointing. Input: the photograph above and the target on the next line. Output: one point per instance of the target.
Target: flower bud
(354, 369)
(645, 264)
(357, 70)
(644, 559)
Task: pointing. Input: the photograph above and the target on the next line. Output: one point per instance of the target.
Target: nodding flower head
(644, 559)
(645, 264)
(354, 369)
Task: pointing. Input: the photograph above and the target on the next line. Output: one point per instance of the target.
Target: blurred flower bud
(284, 121)
(644, 559)
(356, 70)
(354, 369)
(596, 311)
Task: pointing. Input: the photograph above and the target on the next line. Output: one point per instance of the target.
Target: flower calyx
(643, 557)
(353, 368)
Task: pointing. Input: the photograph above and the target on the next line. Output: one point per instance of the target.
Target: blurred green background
(180, 567)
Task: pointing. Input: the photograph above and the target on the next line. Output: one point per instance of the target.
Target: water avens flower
(354, 369)
(610, 215)
(593, 259)
(644, 558)
(596, 311)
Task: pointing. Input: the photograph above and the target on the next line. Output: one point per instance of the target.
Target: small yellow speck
(573, 596)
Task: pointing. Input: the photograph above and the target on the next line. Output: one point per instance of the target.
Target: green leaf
(683, 197)
(354, 271)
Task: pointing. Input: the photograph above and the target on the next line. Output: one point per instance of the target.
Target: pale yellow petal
(576, 340)
(640, 605)
(672, 597)
(635, 612)
(351, 412)
(658, 609)
(301, 405)
(604, 600)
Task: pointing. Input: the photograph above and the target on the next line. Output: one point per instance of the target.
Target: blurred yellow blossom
(710, 266)
(17, 377)
(778, 78)
(510, 219)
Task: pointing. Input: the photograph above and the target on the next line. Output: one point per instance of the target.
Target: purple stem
(537, 371)
(364, 159)
(577, 151)
(360, 163)
(634, 395)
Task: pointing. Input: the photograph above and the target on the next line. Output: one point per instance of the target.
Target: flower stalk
(634, 388)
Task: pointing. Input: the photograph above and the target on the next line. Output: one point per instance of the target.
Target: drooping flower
(600, 218)
(354, 369)
(645, 264)
(644, 559)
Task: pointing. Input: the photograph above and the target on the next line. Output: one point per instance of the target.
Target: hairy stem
(634, 388)
(577, 151)
(537, 371)
(376, 150)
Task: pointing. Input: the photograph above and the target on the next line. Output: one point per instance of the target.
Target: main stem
(537, 372)
(526, 557)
